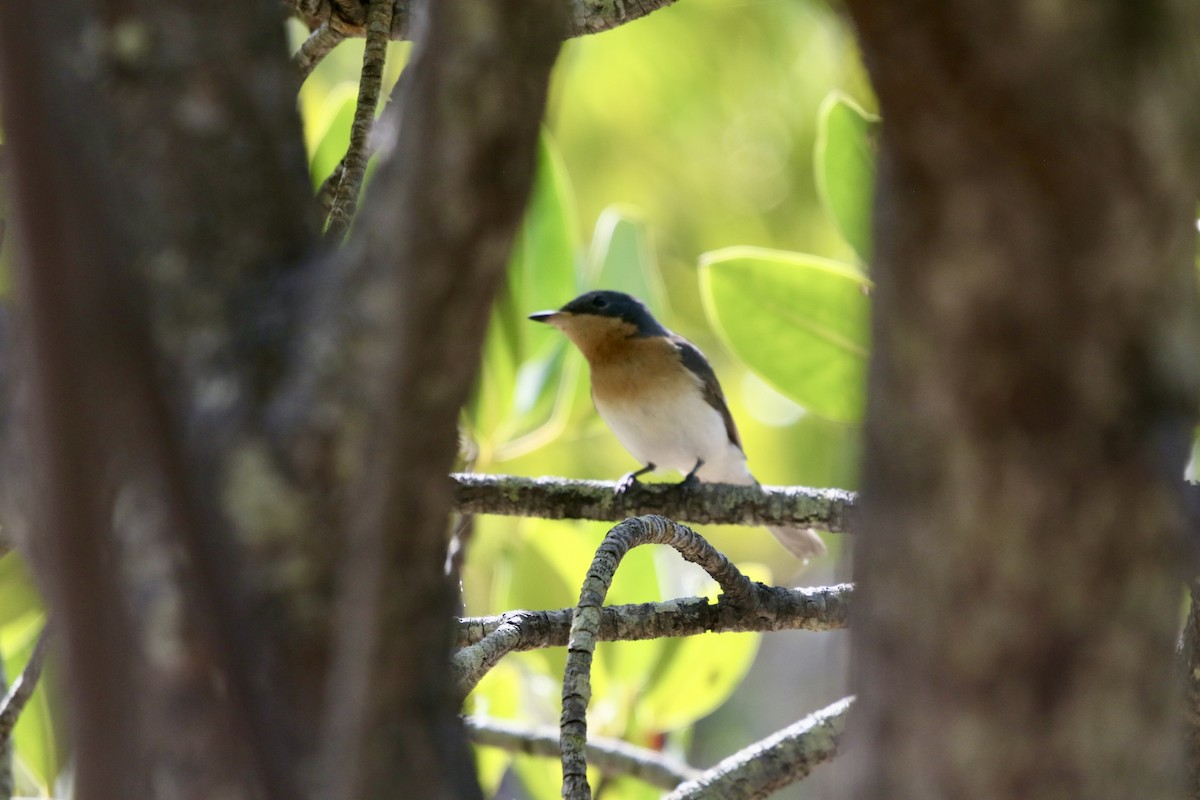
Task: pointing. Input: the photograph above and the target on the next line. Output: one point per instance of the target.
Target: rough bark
(1032, 384)
(557, 498)
(422, 276)
(780, 760)
(774, 609)
(185, 204)
(214, 210)
(577, 17)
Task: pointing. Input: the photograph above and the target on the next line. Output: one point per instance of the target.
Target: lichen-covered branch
(830, 510)
(1189, 661)
(777, 761)
(610, 756)
(584, 16)
(354, 165)
(471, 663)
(485, 640)
(775, 608)
(318, 45)
(585, 625)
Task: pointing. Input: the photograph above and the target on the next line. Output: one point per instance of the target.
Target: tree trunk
(1032, 389)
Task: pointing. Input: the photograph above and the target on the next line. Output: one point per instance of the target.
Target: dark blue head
(613, 305)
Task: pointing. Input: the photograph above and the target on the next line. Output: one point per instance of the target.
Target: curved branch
(585, 625)
(831, 510)
(315, 48)
(777, 761)
(610, 756)
(470, 664)
(585, 16)
(345, 200)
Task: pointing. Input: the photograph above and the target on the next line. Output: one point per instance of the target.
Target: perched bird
(660, 396)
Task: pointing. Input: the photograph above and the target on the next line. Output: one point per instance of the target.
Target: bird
(661, 398)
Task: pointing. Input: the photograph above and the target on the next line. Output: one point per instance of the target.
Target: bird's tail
(803, 543)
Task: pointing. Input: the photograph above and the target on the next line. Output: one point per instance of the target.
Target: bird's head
(599, 320)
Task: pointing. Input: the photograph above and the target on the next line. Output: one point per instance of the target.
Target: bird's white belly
(675, 435)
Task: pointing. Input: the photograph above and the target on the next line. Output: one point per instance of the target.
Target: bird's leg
(691, 479)
(631, 480)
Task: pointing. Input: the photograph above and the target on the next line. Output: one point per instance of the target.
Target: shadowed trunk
(1033, 386)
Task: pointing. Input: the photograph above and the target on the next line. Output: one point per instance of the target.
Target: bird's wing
(695, 361)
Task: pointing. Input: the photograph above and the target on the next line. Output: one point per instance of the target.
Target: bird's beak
(544, 316)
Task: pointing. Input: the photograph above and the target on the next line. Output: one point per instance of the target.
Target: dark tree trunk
(1032, 391)
(207, 390)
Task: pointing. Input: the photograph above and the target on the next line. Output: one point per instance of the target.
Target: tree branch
(777, 761)
(354, 164)
(315, 48)
(585, 624)
(485, 640)
(610, 756)
(584, 16)
(776, 609)
(830, 510)
(393, 352)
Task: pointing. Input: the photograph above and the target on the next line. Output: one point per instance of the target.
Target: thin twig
(315, 48)
(777, 761)
(22, 688)
(585, 625)
(345, 201)
(610, 756)
(586, 16)
(329, 187)
(706, 503)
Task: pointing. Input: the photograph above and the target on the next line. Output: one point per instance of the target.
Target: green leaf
(799, 321)
(335, 137)
(622, 258)
(37, 747)
(522, 382)
(845, 168)
(701, 673)
(542, 270)
(18, 596)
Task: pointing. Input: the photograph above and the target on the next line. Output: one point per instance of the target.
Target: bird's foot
(631, 481)
(692, 480)
(627, 484)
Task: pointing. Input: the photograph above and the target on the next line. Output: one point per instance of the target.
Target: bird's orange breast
(639, 370)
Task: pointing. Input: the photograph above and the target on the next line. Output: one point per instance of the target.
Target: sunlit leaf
(622, 258)
(35, 740)
(700, 674)
(334, 135)
(799, 321)
(845, 168)
(541, 275)
(18, 596)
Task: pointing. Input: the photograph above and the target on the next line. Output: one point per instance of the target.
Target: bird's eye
(599, 302)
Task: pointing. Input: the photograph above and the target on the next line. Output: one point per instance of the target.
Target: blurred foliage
(800, 321)
(39, 753)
